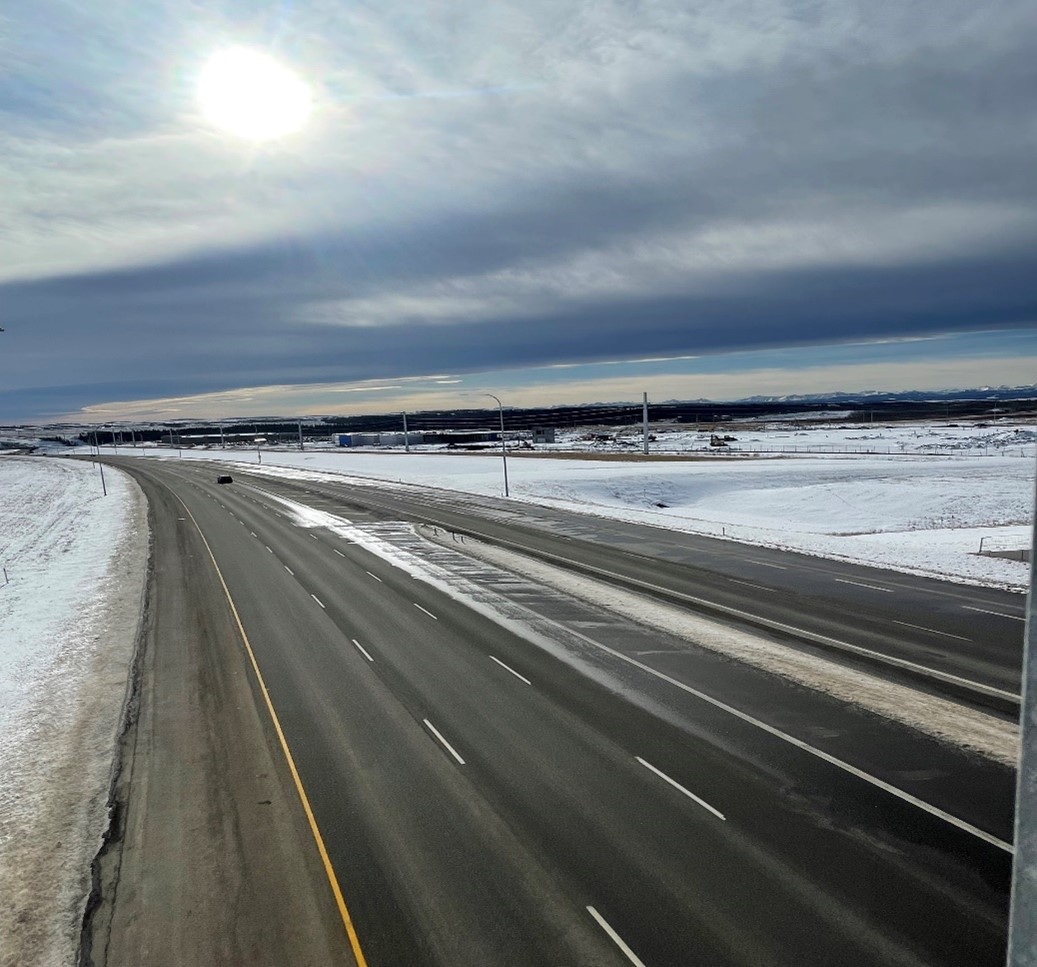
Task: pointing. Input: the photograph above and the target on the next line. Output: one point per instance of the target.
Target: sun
(250, 94)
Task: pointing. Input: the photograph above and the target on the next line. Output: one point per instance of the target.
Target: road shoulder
(209, 857)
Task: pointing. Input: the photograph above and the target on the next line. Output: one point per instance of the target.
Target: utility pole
(300, 434)
(1022, 918)
(222, 445)
(255, 430)
(646, 422)
(406, 439)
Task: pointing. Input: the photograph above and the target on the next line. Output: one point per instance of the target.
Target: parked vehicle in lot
(224, 478)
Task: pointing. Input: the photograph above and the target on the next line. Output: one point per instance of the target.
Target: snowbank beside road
(69, 618)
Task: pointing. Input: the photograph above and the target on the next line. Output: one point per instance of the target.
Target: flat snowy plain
(920, 501)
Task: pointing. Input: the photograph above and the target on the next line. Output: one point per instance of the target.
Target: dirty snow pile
(76, 563)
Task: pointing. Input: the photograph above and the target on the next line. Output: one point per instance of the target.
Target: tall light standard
(503, 448)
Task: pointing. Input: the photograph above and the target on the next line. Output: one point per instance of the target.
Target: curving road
(484, 796)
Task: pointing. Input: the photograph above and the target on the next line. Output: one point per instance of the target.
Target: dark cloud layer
(660, 181)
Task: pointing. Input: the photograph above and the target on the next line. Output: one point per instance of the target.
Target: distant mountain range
(915, 396)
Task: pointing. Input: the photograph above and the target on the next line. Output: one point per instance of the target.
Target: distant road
(485, 800)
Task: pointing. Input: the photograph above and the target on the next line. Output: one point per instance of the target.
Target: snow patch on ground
(69, 616)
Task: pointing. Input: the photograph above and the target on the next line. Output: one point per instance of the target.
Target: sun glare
(249, 94)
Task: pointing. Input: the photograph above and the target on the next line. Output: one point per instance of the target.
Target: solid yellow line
(347, 921)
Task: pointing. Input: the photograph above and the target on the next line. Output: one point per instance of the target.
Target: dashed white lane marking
(870, 587)
(616, 938)
(777, 567)
(678, 786)
(512, 670)
(446, 745)
(318, 600)
(800, 744)
(429, 613)
(253, 533)
(289, 570)
(315, 537)
(267, 546)
(1014, 617)
(361, 649)
(749, 584)
(932, 631)
(338, 552)
(375, 576)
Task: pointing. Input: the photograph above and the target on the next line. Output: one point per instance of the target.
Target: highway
(483, 797)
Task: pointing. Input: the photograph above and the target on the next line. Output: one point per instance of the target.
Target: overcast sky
(557, 202)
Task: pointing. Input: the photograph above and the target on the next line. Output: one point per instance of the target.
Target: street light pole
(503, 448)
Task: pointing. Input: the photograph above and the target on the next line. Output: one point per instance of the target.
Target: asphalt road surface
(475, 797)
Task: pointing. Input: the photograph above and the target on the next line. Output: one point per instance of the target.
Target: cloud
(603, 179)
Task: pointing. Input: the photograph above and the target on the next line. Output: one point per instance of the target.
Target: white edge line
(375, 576)
(870, 587)
(429, 613)
(932, 631)
(1000, 614)
(677, 785)
(800, 744)
(616, 938)
(363, 650)
(512, 670)
(446, 744)
(318, 600)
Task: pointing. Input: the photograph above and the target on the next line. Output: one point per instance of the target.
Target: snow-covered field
(924, 506)
(68, 619)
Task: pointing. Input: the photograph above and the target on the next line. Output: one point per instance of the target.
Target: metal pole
(406, 439)
(100, 466)
(300, 435)
(1022, 919)
(503, 448)
(222, 445)
(646, 422)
